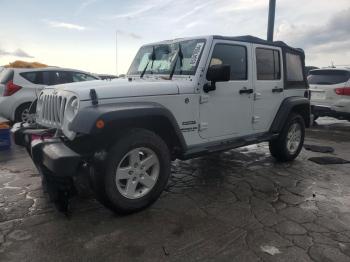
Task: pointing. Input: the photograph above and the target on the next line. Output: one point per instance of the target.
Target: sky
(81, 34)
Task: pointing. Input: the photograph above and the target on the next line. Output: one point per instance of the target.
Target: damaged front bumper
(58, 165)
(47, 151)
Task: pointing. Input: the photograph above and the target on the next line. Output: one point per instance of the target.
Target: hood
(119, 88)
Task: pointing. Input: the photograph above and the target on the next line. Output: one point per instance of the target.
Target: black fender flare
(287, 106)
(85, 120)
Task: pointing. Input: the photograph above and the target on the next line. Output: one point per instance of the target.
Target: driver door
(227, 111)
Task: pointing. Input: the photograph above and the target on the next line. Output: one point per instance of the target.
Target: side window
(294, 67)
(38, 78)
(46, 78)
(268, 64)
(29, 76)
(233, 55)
(78, 77)
(60, 77)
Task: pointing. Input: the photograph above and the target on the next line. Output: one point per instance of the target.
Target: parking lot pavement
(235, 206)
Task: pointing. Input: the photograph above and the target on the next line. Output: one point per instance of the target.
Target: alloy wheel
(137, 172)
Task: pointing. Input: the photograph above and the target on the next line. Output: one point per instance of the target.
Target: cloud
(131, 14)
(84, 5)
(129, 34)
(337, 29)
(65, 25)
(322, 43)
(241, 5)
(139, 11)
(190, 13)
(18, 53)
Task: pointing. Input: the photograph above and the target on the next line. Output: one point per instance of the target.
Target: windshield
(164, 55)
(328, 77)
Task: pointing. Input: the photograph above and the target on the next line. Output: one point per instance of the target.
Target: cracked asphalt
(240, 205)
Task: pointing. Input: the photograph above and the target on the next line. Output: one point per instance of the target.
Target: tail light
(342, 91)
(11, 88)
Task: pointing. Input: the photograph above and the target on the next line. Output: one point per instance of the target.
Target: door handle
(246, 91)
(277, 90)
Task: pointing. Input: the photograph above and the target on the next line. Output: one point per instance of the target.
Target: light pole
(271, 20)
(116, 52)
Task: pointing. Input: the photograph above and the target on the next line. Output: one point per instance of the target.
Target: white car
(181, 99)
(20, 87)
(330, 92)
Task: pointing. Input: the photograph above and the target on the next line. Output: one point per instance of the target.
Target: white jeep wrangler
(181, 99)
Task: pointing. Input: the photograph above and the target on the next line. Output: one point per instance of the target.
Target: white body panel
(266, 102)
(202, 117)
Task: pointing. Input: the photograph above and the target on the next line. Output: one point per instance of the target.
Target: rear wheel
(290, 141)
(137, 171)
(22, 113)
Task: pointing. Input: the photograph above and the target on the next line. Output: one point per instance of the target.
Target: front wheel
(290, 141)
(138, 168)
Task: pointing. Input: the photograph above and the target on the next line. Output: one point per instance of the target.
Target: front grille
(52, 108)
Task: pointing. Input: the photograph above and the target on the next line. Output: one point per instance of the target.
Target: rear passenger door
(268, 85)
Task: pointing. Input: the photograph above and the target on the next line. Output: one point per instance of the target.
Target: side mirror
(217, 73)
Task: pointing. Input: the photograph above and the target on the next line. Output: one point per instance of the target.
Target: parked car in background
(330, 92)
(105, 76)
(309, 68)
(20, 87)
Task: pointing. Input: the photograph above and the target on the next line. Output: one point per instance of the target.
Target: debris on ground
(319, 149)
(328, 160)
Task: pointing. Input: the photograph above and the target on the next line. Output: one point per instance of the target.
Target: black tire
(278, 147)
(19, 112)
(109, 195)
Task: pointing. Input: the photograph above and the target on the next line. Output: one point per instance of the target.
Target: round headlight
(72, 108)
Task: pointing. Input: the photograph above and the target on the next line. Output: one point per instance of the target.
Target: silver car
(330, 92)
(20, 87)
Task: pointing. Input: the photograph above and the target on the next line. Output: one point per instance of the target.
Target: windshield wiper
(152, 59)
(180, 55)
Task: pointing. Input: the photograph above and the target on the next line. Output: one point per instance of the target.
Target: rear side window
(294, 67)
(268, 64)
(32, 77)
(78, 77)
(6, 75)
(38, 78)
(233, 55)
(328, 77)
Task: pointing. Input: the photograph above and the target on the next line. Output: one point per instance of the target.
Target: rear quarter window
(328, 77)
(294, 67)
(30, 76)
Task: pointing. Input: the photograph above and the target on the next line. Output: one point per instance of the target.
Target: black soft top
(285, 49)
(257, 40)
